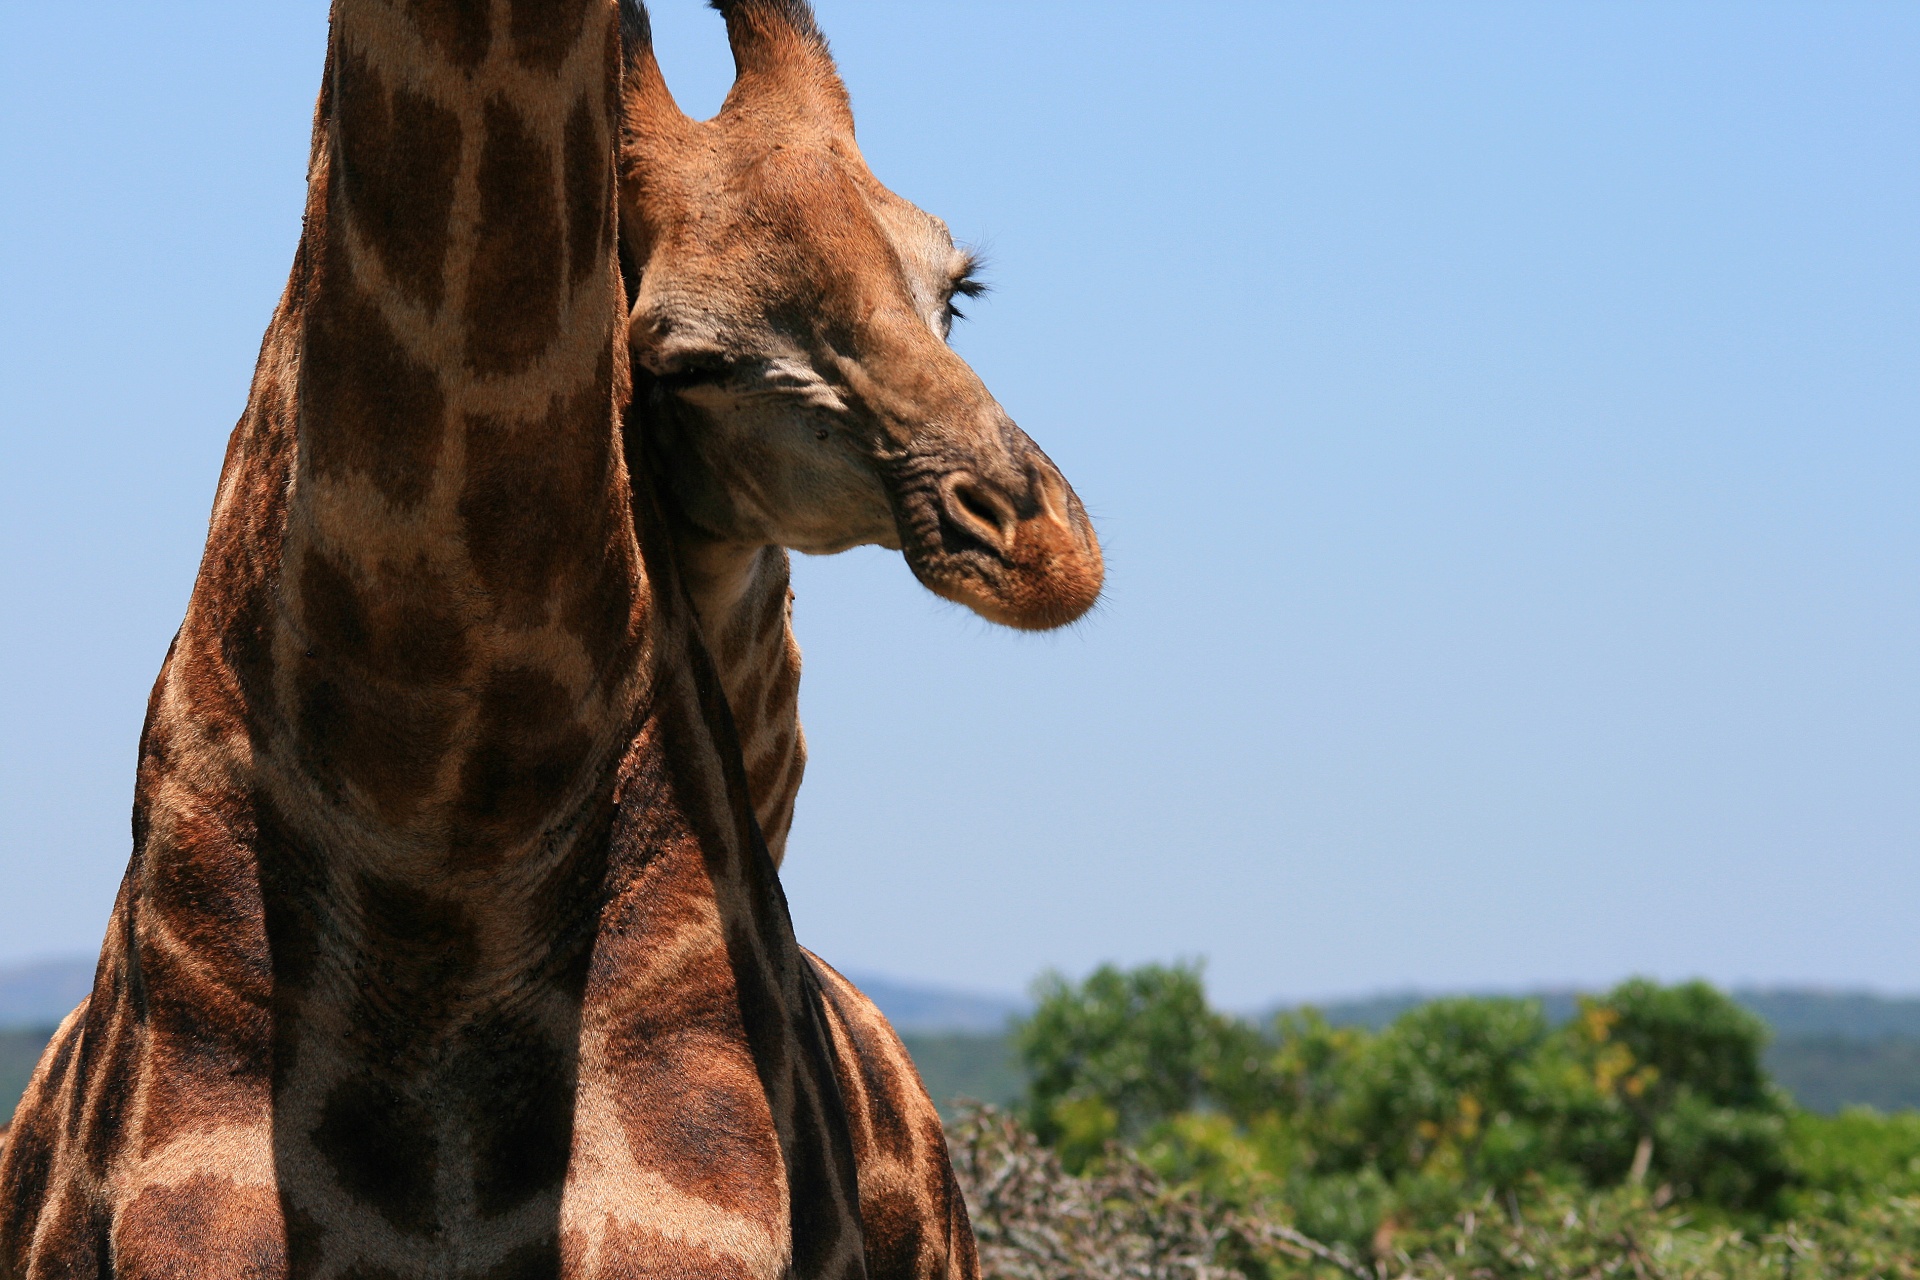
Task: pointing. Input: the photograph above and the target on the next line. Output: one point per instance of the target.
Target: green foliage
(1693, 1039)
(1117, 1053)
(1653, 1093)
(1851, 1162)
(20, 1050)
(956, 1065)
(1680, 1068)
(1448, 1090)
(1625, 1232)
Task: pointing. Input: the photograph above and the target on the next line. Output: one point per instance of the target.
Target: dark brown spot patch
(201, 879)
(607, 615)
(589, 165)
(517, 1087)
(775, 608)
(538, 1261)
(545, 31)
(74, 1239)
(366, 406)
(785, 690)
(749, 703)
(895, 1232)
(383, 742)
(513, 293)
(889, 1099)
(205, 1226)
(458, 28)
(289, 870)
(533, 503)
(208, 1046)
(424, 945)
(770, 770)
(372, 704)
(530, 748)
(398, 157)
(814, 1203)
(405, 630)
(381, 1147)
(112, 1087)
(29, 1157)
(246, 649)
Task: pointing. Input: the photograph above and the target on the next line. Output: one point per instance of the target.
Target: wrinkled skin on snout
(789, 329)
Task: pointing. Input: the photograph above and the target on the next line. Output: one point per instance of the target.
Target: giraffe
(450, 944)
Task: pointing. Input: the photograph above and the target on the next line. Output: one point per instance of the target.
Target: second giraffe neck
(742, 596)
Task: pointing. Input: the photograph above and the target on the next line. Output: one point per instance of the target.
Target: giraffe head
(789, 333)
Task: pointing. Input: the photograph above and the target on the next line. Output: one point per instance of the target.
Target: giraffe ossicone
(450, 944)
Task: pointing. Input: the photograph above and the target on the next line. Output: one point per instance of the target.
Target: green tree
(1126, 1049)
(1686, 1068)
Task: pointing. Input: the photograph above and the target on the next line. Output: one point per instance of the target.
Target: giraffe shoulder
(871, 1051)
(913, 1217)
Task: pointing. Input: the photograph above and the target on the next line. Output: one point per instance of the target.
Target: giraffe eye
(696, 371)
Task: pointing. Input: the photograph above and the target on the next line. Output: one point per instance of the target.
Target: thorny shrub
(1123, 1221)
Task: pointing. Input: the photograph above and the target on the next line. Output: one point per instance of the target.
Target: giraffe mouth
(1019, 549)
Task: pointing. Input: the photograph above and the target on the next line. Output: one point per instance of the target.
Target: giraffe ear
(653, 133)
(647, 106)
(780, 58)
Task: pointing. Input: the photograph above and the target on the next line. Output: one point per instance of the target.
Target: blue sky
(1503, 421)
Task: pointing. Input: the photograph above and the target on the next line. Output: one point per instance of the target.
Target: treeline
(1649, 1115)
(1830, 1051)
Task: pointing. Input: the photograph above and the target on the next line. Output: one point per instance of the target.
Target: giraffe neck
(457, 603)
(744, 603)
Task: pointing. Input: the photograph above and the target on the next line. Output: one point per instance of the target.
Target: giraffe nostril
(976, 505)
(979, 512)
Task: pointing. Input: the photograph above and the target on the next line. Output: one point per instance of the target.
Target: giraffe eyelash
(966, 284)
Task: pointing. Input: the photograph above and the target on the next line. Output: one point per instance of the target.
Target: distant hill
(911, 1007)
(1829, 1073)
(19, 1051)
(1790, 1011)
(41, 994)
(1854, 1015)
(978, 1068)
(1831, 1049)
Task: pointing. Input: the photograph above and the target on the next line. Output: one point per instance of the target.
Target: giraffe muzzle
(1018, 551)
